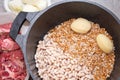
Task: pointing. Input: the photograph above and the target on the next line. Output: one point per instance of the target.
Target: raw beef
(5, 28)
(7, 44)
(12, 66)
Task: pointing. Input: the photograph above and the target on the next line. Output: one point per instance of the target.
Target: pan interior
(63, 12)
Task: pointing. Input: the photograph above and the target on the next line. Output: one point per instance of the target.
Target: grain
(54, 64)
(64, 52)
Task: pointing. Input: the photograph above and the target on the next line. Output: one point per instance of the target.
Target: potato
(104, 43)
(81, 25)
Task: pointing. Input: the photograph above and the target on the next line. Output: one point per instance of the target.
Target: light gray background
(113, 5)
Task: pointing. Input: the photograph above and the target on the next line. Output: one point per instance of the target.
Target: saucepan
(42, 22)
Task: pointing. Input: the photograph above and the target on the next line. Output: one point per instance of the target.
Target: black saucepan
(42, 22)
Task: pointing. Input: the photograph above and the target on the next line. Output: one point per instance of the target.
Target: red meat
(6, 43)
(5, 28)
(12, 66)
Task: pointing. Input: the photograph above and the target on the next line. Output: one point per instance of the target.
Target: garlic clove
(104, 43)
(81, 25)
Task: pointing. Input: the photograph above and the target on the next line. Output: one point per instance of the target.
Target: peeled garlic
(104, 43)
(16, 5)
(29, 8)
(81, 25)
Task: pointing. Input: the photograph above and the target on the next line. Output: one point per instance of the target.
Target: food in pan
(104, 43)
(12, 66)
(68, 54)
(81, 25)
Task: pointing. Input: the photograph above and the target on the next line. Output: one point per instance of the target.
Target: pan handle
(17, 24)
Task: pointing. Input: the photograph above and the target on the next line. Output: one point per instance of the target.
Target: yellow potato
(81, 25)
(104, 43)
